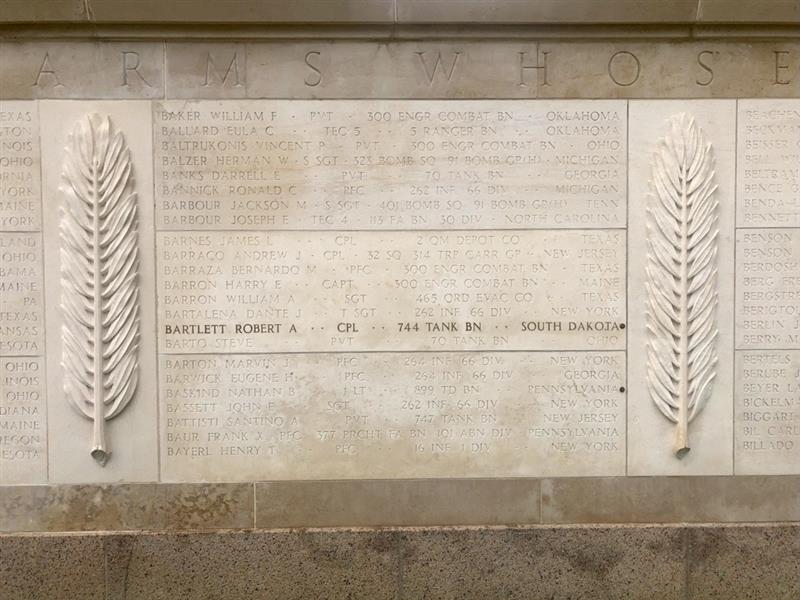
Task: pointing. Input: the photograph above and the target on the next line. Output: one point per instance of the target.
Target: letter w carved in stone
(430, 72)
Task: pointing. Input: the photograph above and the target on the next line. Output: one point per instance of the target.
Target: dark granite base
(567, 562)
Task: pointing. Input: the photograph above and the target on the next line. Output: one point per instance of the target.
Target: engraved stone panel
(392, 414)
(767, 412)
(651, 436)
(133, 434)
(75, 69)
(767, 288)
(390, 164)
(23, 420)
(768, 160)
(404, 290)
(20, 179)
(410, 69)
(21, 301)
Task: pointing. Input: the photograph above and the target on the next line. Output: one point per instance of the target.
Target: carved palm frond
(682, 231)
(99, 276)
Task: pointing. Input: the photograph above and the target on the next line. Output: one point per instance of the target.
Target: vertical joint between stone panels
(735, 236)
(255, 505)
(159, 474)
(627, 277)
(400, 545)
(541, 500)
(166, 80)
(685, 540)
(46, 405)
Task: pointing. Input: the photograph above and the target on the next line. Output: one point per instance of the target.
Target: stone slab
(345, 165)
(74, 69)
(546, 11)
(414, 68)
(21, 294)
(670, 499)
(630, 69)
(61, 568)
(23, 419)
(767, 180)
(279, 565)
(403, 11)
(737, 562)
(71, 434)
(767, 270)
(651, 434)
(743, 563)
(767, 412)
(20, 187)
(206, 70)
(127, 507)
(243, 11)
(397, 503)
(544, 563)
(301, 416)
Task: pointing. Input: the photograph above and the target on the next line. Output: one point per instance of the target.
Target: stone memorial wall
(399, 299)
(209, 283)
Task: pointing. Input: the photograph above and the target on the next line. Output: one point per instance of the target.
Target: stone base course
(563, 562)
(399, 503)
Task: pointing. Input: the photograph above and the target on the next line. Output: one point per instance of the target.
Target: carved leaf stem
(99, 276)
(682, 232)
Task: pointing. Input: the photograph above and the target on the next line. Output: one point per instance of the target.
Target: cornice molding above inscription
(326, 68)
(391, 12)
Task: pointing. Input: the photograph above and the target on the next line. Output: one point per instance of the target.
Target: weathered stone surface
(545, 11)
(670, 500)
(397, 503)
(134, 455)
(284, 565)
(206, 70)
(75, 69)
(20, 186)
(57, 568)
(743, 563)
(544, 563)
(650, 434)
(126, 507)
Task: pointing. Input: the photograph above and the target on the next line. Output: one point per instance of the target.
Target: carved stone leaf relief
(99, 276)
(681, 278)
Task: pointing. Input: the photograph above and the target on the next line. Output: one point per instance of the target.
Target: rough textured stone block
(744, 563)
(257, 565)
(544, 563)
(52, 568)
